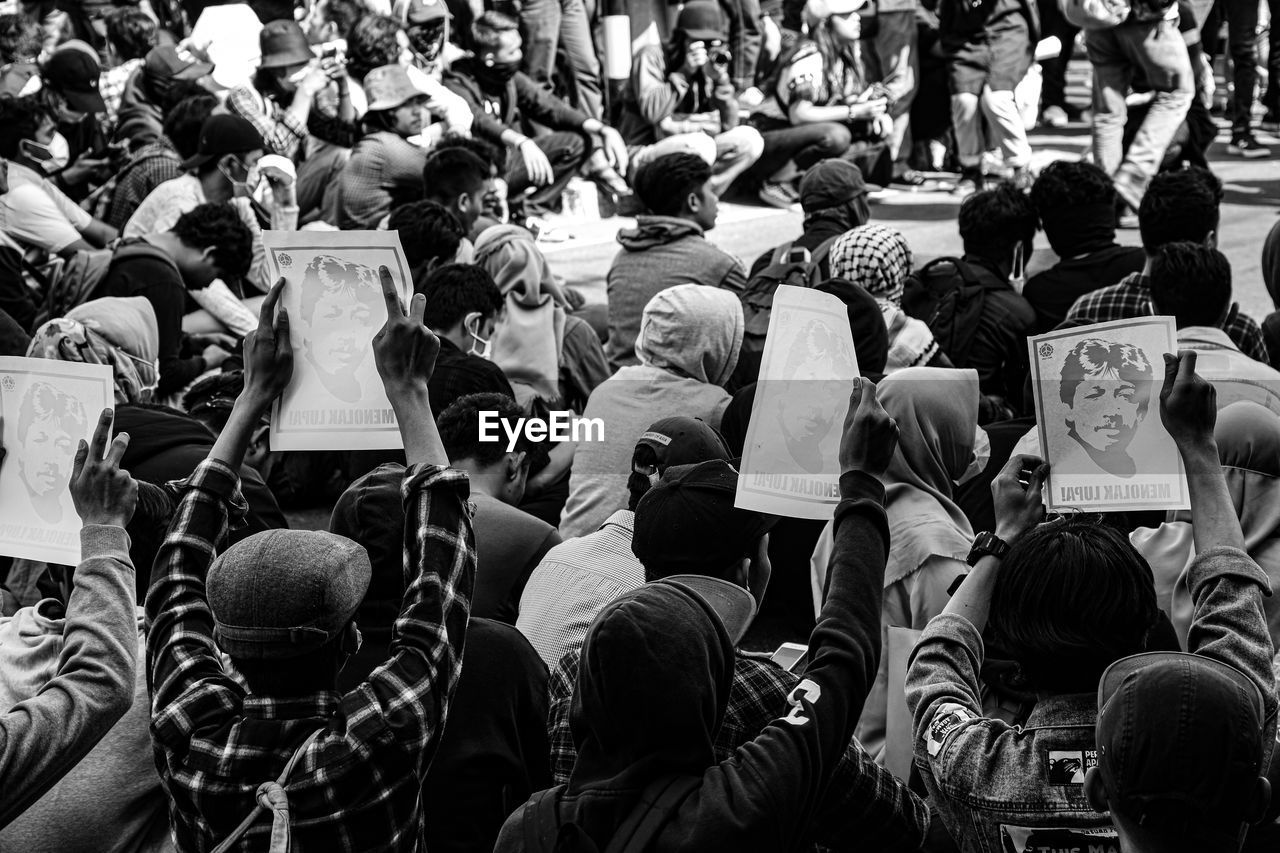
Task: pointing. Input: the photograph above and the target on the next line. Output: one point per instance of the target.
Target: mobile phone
(789, 655)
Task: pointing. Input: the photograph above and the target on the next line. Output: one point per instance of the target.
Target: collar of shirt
(1069, 709)
(1206, 336)
(321, 704)
(624, 519)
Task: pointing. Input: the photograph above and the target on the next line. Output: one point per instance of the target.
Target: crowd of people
(567, 644)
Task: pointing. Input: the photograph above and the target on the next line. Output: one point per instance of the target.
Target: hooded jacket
(660, 252)
(645, 709)
(688, 346)
(140, 120)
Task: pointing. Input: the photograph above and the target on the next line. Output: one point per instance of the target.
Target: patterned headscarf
(120, 332)
(876, 257)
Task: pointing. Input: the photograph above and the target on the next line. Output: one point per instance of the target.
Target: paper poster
(334, 298)
(48, 407)
(229, 35)
(790, 461)
(898, 740)
(1097, 394)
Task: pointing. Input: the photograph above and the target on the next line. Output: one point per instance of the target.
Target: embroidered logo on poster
(1034, 839)
(1068, 766)
(946, 720)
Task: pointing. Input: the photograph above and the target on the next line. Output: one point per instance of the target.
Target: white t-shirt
(37, 214)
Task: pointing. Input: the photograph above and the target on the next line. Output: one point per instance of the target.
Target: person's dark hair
(344, 14)
(20, 39)
(218, 225)
(147, 530)
(211, 399)
(131, 32)
(1072, 597)
(183, 122)
(427, 231)
(42, 401)
(373, 43)
(1192, 282)
(1071, 183)
(493, 156)
(21, 118)
(1092, 358)
(455, 290)
(487, 31)
(459, 427)
(664, 184)
(1178, 206)
(994, 221)
(452, 172)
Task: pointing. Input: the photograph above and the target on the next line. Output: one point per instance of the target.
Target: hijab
(874, 256)
(117, 331)
(937, 413)
(652, 690)
(510, 255)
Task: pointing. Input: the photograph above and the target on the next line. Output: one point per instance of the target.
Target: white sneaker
(1054, 116)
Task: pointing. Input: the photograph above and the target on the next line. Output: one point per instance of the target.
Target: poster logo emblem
(286, 260)
(9, 383)
(1046, 350)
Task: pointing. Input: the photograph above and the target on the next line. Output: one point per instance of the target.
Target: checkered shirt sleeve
(358, 786)
(280, 130)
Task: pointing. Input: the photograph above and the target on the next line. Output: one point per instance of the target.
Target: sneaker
(545, 232)
(1127, 220)
(778, 195)
(970, 182)
(1054, 116)
(1246, 146)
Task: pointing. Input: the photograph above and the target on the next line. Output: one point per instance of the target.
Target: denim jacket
(1012, 789)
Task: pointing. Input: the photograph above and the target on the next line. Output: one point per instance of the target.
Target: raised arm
(47, 735)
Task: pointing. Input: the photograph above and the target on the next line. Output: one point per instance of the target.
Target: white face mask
(482, 347)
(52, 157)
(981, 456)
(252, 177)
(1018, 272)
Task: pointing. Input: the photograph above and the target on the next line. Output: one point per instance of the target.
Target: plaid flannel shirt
(1132, 298)
(358, 786)
(148, 167)
(281, 131)
(867, 807)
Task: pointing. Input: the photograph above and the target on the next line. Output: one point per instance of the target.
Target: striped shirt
(574, 581)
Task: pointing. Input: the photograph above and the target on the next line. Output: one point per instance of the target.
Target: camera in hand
(718, 56)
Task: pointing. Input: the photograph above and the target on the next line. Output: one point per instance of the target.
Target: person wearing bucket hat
(822, 105)
(385, 163)
(659, 689)
(365, 753)
(680, 98)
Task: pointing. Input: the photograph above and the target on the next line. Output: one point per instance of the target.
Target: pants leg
(1242, 32)
(540, 30)
(1052, 23)
(567, 152)
(966, 120)
(1159, 49)
(1005, 122)
(1271, 99)
(693, 143)
(1112, 74)
(896, 49)
(736, 151)
(806, 144)
(575, 38)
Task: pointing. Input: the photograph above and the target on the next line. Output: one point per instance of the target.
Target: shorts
(997, 59)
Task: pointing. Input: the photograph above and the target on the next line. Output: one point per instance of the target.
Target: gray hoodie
(688, 347)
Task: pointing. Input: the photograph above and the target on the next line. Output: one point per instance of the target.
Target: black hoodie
(653, 686)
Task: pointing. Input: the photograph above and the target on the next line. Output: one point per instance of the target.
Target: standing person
(551, 26)
(989, 47)
(1147, 42)
(506, 102)
(358, 760)
(818, 104)
(895, 57)
(1054, 109)
(1242, 42)
(680, 98)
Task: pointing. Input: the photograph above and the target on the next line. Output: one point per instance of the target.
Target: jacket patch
(1027, 839)
(1068, 766)
(946, 719)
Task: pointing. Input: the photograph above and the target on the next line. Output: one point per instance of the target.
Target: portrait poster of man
(335, 400)
(790, 463)
(1097, 394)
(48, 407)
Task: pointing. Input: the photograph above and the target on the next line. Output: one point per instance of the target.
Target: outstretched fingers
(395, 308)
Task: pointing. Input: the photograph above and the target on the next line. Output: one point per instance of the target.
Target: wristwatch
(987, 544)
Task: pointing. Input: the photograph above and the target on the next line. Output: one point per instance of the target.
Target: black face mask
(426, 40)
(496, 74)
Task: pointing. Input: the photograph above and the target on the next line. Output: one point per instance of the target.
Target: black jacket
(523, 100)
(999, 348)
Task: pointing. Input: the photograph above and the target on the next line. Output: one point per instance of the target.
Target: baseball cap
(701, 21)
(73, 71)
(221, 135)
(168, 63)
(733, 604)
(683, 441)
(830, 183)
(1181, 733)
(822, 9)
(687, 523)
(325, 577)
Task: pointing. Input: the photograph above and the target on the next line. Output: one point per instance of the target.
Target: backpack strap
(654, 811)
(271, 796)
(818, 258)
(540, 823)
(780, 254)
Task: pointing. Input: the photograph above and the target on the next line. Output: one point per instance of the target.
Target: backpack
(757, 301)
(271, 796)
(69, 283)
(544, 833)
(949, 297)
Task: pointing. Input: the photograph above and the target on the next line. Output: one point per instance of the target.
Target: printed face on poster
(1097, 392)
(334, 298)
(48, 407)
(790, 463)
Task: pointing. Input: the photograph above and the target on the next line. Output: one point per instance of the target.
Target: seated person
(833, 196)
(72, 75)
(666, 248)
(131, 33)
(505, 102)
(431, 237)
(33, 211)
(680, 98)
(206, 242)
(464, 308)
(458, 180)
(1076, 204)
(166, 77)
